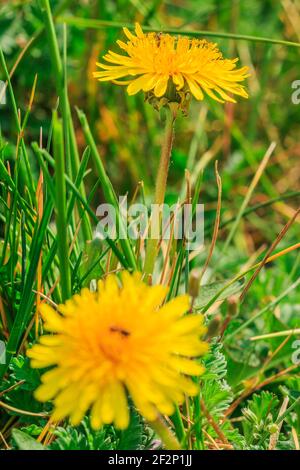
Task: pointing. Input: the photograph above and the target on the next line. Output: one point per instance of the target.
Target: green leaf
(83, 437)
(99, 24)
(262, 404)
(258, 416)
(132, 437)
(25, 442)
(91, 267)
(209, 291)
(21, 371)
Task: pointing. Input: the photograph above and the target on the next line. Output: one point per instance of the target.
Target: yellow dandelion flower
(154, 61)
(118, 342)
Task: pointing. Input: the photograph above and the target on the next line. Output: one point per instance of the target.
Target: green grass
(106, 149)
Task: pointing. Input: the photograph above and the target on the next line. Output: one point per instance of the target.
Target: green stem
(198, 423)
(287, 412)
(160, 190)
(61, 209)
(162, 430)
(101, 24)
(162, 175)
(178, 423)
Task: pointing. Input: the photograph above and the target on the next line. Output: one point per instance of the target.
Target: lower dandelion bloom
(117, 342)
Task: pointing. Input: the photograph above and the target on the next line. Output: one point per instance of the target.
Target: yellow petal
(195, 89)
(161, 87)
(107, 410)
(119, 398)
(53, 321)
(178, 81)
(138, 30)
(96, 422)
(187, 366)
(129, 35)
(176, 307)
(136, 85)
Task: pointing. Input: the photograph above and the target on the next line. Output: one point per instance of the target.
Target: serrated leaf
(83, 437)
(21, 371)
(25, 442)
(215, 391)
(262, 404)
(258, 415)
(209, 291)
(131, 438)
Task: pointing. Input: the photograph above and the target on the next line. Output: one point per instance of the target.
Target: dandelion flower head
(154, 61)
(119, 342)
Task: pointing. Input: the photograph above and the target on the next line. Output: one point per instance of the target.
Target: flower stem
(160, 189)
(168, 439)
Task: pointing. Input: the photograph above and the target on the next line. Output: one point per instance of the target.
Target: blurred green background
(128, 130)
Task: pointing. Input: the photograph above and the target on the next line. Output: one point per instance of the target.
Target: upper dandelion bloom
(117, 342)
(155, 60)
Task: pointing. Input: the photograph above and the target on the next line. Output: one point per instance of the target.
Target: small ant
(158, 37)
(115, 329)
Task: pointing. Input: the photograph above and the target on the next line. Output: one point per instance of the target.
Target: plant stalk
(162, 430)
(160, 191)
